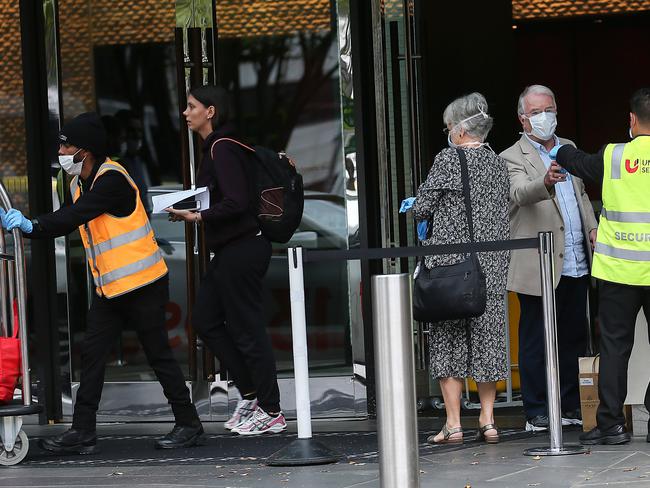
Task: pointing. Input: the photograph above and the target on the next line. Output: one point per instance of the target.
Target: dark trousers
(143, 310)
(571, 313)
(619, 306)
(229, 318)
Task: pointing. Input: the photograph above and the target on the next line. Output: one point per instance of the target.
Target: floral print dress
(473, 347)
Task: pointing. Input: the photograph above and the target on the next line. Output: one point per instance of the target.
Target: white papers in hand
(161, 202)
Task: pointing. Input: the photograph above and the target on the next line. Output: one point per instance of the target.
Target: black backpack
(279, 190)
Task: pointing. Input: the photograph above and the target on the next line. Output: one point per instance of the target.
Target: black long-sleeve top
(112, 194)
(227, 171)
(589, 167)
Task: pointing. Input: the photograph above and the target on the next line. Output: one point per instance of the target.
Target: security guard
(621, 258)
(130, 279)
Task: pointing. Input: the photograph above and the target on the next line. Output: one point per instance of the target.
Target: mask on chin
(68, 164)
(543, 125)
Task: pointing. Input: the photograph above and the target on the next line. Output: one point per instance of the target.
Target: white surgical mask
(69, 166)
(543, 125)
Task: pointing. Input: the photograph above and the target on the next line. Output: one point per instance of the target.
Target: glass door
(288, 67)
(402, 144)
(126, 61)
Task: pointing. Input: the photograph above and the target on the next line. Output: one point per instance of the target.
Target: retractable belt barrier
(311, 255)
(393, 442)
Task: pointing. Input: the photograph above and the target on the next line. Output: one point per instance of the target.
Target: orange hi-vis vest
(122, 251)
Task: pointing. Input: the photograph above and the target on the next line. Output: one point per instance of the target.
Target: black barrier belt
(310, 255)
(6, 257)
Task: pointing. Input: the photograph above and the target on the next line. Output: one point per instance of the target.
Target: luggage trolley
(14, 443)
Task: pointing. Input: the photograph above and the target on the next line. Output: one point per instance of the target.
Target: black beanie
(86, 131)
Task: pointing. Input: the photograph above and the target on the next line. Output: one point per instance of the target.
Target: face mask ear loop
(482, 112)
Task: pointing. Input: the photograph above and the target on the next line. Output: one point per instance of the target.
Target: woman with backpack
(228, 314)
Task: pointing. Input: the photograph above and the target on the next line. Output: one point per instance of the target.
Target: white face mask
(69, 166)
(543, 125)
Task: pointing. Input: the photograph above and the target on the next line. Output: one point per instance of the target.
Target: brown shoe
(482, 434)
(447, 436)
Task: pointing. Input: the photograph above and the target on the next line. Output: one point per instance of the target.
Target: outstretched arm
(587, 166)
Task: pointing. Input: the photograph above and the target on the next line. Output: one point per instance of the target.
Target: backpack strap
(231, 140)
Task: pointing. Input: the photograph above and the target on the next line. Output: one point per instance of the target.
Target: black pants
(619, 306)
(143, 310)
(229, 317)
(571, 312)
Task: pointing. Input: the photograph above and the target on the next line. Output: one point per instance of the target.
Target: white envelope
(161, 202)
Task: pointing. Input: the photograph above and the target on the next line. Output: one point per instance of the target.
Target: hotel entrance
(285, 64)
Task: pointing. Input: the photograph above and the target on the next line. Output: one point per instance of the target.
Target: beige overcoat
(534, 209)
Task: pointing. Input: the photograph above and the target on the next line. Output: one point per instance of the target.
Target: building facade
(353, 90)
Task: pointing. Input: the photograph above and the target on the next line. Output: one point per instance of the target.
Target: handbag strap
(464, 176)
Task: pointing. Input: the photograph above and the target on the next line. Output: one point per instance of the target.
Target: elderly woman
(474, 347)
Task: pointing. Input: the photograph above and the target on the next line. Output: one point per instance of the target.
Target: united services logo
(631, 166)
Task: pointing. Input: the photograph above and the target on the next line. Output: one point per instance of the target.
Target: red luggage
(9, 362)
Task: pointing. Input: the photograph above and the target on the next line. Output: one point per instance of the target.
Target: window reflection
(119, 59)
(281, 61)
(13, 160)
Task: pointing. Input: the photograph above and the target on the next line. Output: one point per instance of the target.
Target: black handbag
(456, 291)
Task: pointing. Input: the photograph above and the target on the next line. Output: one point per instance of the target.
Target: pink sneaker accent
(244, 411)
(260, 423)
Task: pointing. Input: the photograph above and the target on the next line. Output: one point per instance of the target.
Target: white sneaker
(244, 411)
(261, 423)
(538, 423)
(567, 421)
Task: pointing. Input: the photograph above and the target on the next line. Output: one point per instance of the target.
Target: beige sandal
(489, 438)
(446, 436)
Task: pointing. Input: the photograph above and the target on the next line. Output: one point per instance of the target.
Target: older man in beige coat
(543, 197)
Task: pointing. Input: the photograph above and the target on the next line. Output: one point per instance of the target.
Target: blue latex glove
(15, 219)
(553, 152)
(407, 204)
(553, 155)
(423, 227)
(3, 218)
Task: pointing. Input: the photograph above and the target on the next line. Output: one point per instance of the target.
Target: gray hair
(533, 90)
(465, 107)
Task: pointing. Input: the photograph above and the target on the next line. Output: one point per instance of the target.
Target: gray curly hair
(467, 106)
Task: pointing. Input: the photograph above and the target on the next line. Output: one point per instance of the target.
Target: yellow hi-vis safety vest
(622, 253)
(122, 251)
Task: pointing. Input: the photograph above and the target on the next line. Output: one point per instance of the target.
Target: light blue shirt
(575, 258)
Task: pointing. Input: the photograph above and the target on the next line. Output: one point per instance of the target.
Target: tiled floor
(501, 465)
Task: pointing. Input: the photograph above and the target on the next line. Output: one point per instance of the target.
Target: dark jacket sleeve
(230, 175)
(111, 194)
(589, 167)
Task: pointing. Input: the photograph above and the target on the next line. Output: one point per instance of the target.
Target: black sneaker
(181, 436)
(72, 441)
(538, 423)
(614, 435)
(573, 417)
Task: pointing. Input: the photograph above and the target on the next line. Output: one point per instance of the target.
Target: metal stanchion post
(550, 343)
(395, 377)
(303, 451)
